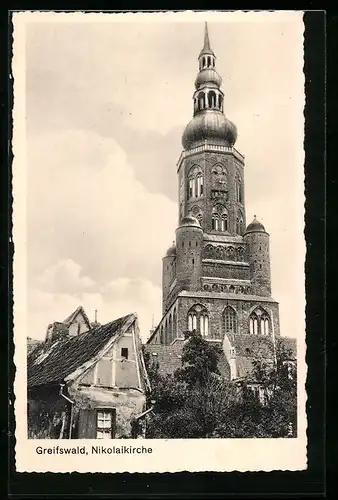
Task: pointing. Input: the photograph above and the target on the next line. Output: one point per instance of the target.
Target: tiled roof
(32, 344)
(53, 362)
(169, 358)
(252, 346)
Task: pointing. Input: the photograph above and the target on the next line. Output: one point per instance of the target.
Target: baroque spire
(206, 47)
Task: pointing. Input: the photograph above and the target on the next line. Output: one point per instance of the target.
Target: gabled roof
(32, 344)
(72, 316)
(52, 362)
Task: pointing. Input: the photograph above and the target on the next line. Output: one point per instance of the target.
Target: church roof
(252, 346)
(171, 251)
(206, 46)
(255, 225)
(190, 220)
(51, 363)
(168, 358)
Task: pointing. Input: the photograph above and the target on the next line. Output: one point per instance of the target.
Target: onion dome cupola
(190, 220)
(171, 252)
(255, 226)
(209, 122)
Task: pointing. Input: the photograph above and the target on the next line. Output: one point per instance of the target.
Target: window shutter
(87, 424)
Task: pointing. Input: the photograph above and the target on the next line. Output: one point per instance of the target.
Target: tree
(197, 402)
(190, 402)
(271, 412)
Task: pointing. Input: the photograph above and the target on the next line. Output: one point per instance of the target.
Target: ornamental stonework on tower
(216, 275)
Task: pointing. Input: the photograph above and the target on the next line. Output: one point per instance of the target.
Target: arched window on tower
(239, 224)
(195, 182)
(201, 101)
(198, 319)
(230, 320)
(215, 222)
(239, 190)
(220, 102)
(224, 223)
(211, 99)
(162, 336)
(219, 218)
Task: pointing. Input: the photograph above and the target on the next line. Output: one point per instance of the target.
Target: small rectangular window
(124, 352)
(105, 424)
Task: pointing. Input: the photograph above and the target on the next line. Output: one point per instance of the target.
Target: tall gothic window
(259, 322)
(253, 324)
(239, 224)
(204, 325)
(198, 319)
(219, 218)
(239, 190)
(230, 320)
(195, 182)
(215, 222)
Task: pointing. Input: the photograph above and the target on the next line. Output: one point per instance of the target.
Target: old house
(89, 386)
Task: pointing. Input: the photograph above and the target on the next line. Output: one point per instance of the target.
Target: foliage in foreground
(196, 402)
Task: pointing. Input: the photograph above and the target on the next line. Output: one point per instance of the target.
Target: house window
(105, 424)
(124, 352)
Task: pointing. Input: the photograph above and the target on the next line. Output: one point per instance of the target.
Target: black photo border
(308, 483)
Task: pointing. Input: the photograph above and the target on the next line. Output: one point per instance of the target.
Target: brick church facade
(216, 275)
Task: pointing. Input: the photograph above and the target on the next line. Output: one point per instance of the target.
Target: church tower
(216, 275)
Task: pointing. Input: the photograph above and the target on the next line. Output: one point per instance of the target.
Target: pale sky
(106, 105)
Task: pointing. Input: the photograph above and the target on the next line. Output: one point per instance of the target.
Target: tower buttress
(258, 246)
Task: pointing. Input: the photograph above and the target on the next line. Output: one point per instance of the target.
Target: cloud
(95, 233)
(113, 300)
(63, 277)
(85, 204)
